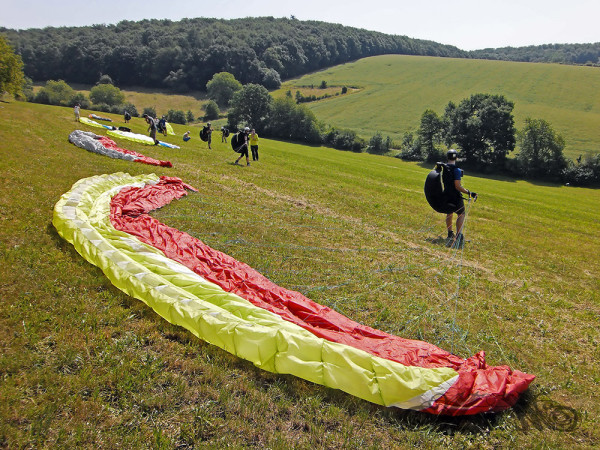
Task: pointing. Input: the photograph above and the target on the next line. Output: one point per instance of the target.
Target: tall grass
(83, 364)
(397, 89)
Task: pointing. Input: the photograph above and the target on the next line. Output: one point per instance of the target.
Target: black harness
(440, 192)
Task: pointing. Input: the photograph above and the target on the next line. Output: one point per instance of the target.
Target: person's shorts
(460, 204)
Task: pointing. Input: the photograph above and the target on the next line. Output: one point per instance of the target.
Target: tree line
(482, 128)
(184, 55)
(581, 54)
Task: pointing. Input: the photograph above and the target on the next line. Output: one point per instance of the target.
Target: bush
(271, 79)
(344, 140)
(105, 79)
(103, 107)
(211, 111)
(221, 87)
(189, 116)
(130, 107)
(410, 150)
(42, 97)
(150, 111)
(116, 109)
(176, 116)
(378, 145)
(107, 93)
(583, 174)
(55, 93)
(81, 99)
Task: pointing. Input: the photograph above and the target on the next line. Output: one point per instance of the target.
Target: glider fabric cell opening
(229, 304)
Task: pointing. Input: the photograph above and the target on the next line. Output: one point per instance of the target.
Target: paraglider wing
(231, 305)
(107, 147)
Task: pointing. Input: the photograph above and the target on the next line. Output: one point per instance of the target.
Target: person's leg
(460, 220)
(449, 223)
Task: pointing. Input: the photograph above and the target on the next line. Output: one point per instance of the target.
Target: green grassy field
(84, 365)
(397, 89)
(161, 101)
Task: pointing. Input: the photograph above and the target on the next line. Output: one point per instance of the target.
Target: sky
(466, 24)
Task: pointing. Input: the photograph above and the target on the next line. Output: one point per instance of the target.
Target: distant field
(397, 89)
(162, 101)
(83, 365)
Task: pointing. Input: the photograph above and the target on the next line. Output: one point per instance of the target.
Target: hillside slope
(395, 90)
(84, 365)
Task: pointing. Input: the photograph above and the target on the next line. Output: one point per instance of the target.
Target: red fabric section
(479, 388)
(109, 143)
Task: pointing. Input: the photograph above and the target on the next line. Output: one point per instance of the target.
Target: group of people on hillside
(247, 142)
(247, 138)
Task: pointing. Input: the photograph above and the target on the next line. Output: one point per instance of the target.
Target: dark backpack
(238, 141)
(204, 134)
(440, 192)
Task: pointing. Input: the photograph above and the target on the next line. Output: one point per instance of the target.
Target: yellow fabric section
(184, 298)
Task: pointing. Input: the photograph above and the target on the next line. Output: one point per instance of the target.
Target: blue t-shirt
(456, 173)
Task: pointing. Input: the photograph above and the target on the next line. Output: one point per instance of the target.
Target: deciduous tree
(540, 150)
(250, 106)
(12, 78)
(221, 88)
(483, 127)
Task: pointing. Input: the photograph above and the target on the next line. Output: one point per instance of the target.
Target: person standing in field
(151, 127)
(452, 189)
(254, 144)
(126, 116)
(243, 146)
(76, 111)
(209, 131)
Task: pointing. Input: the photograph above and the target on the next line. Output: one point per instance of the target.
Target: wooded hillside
(185, 54)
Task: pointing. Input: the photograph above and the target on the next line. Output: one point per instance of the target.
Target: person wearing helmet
(243, 149)
(453, 189)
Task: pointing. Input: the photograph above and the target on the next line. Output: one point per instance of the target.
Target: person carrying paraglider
(242, 149)
(452, 189)
(206, 134)
(224, 134)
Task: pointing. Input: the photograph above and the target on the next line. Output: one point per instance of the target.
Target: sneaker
(236, 163)
(248, 164)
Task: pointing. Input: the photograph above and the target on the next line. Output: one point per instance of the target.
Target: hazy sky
(467, 24)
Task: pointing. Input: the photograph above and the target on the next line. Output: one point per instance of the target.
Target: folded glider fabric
(229, 304)
(93, 123)
(107, 147)
(94, 116)
(141, 138)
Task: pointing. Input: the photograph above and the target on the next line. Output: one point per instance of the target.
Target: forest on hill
(184, 55)
(582, 54)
